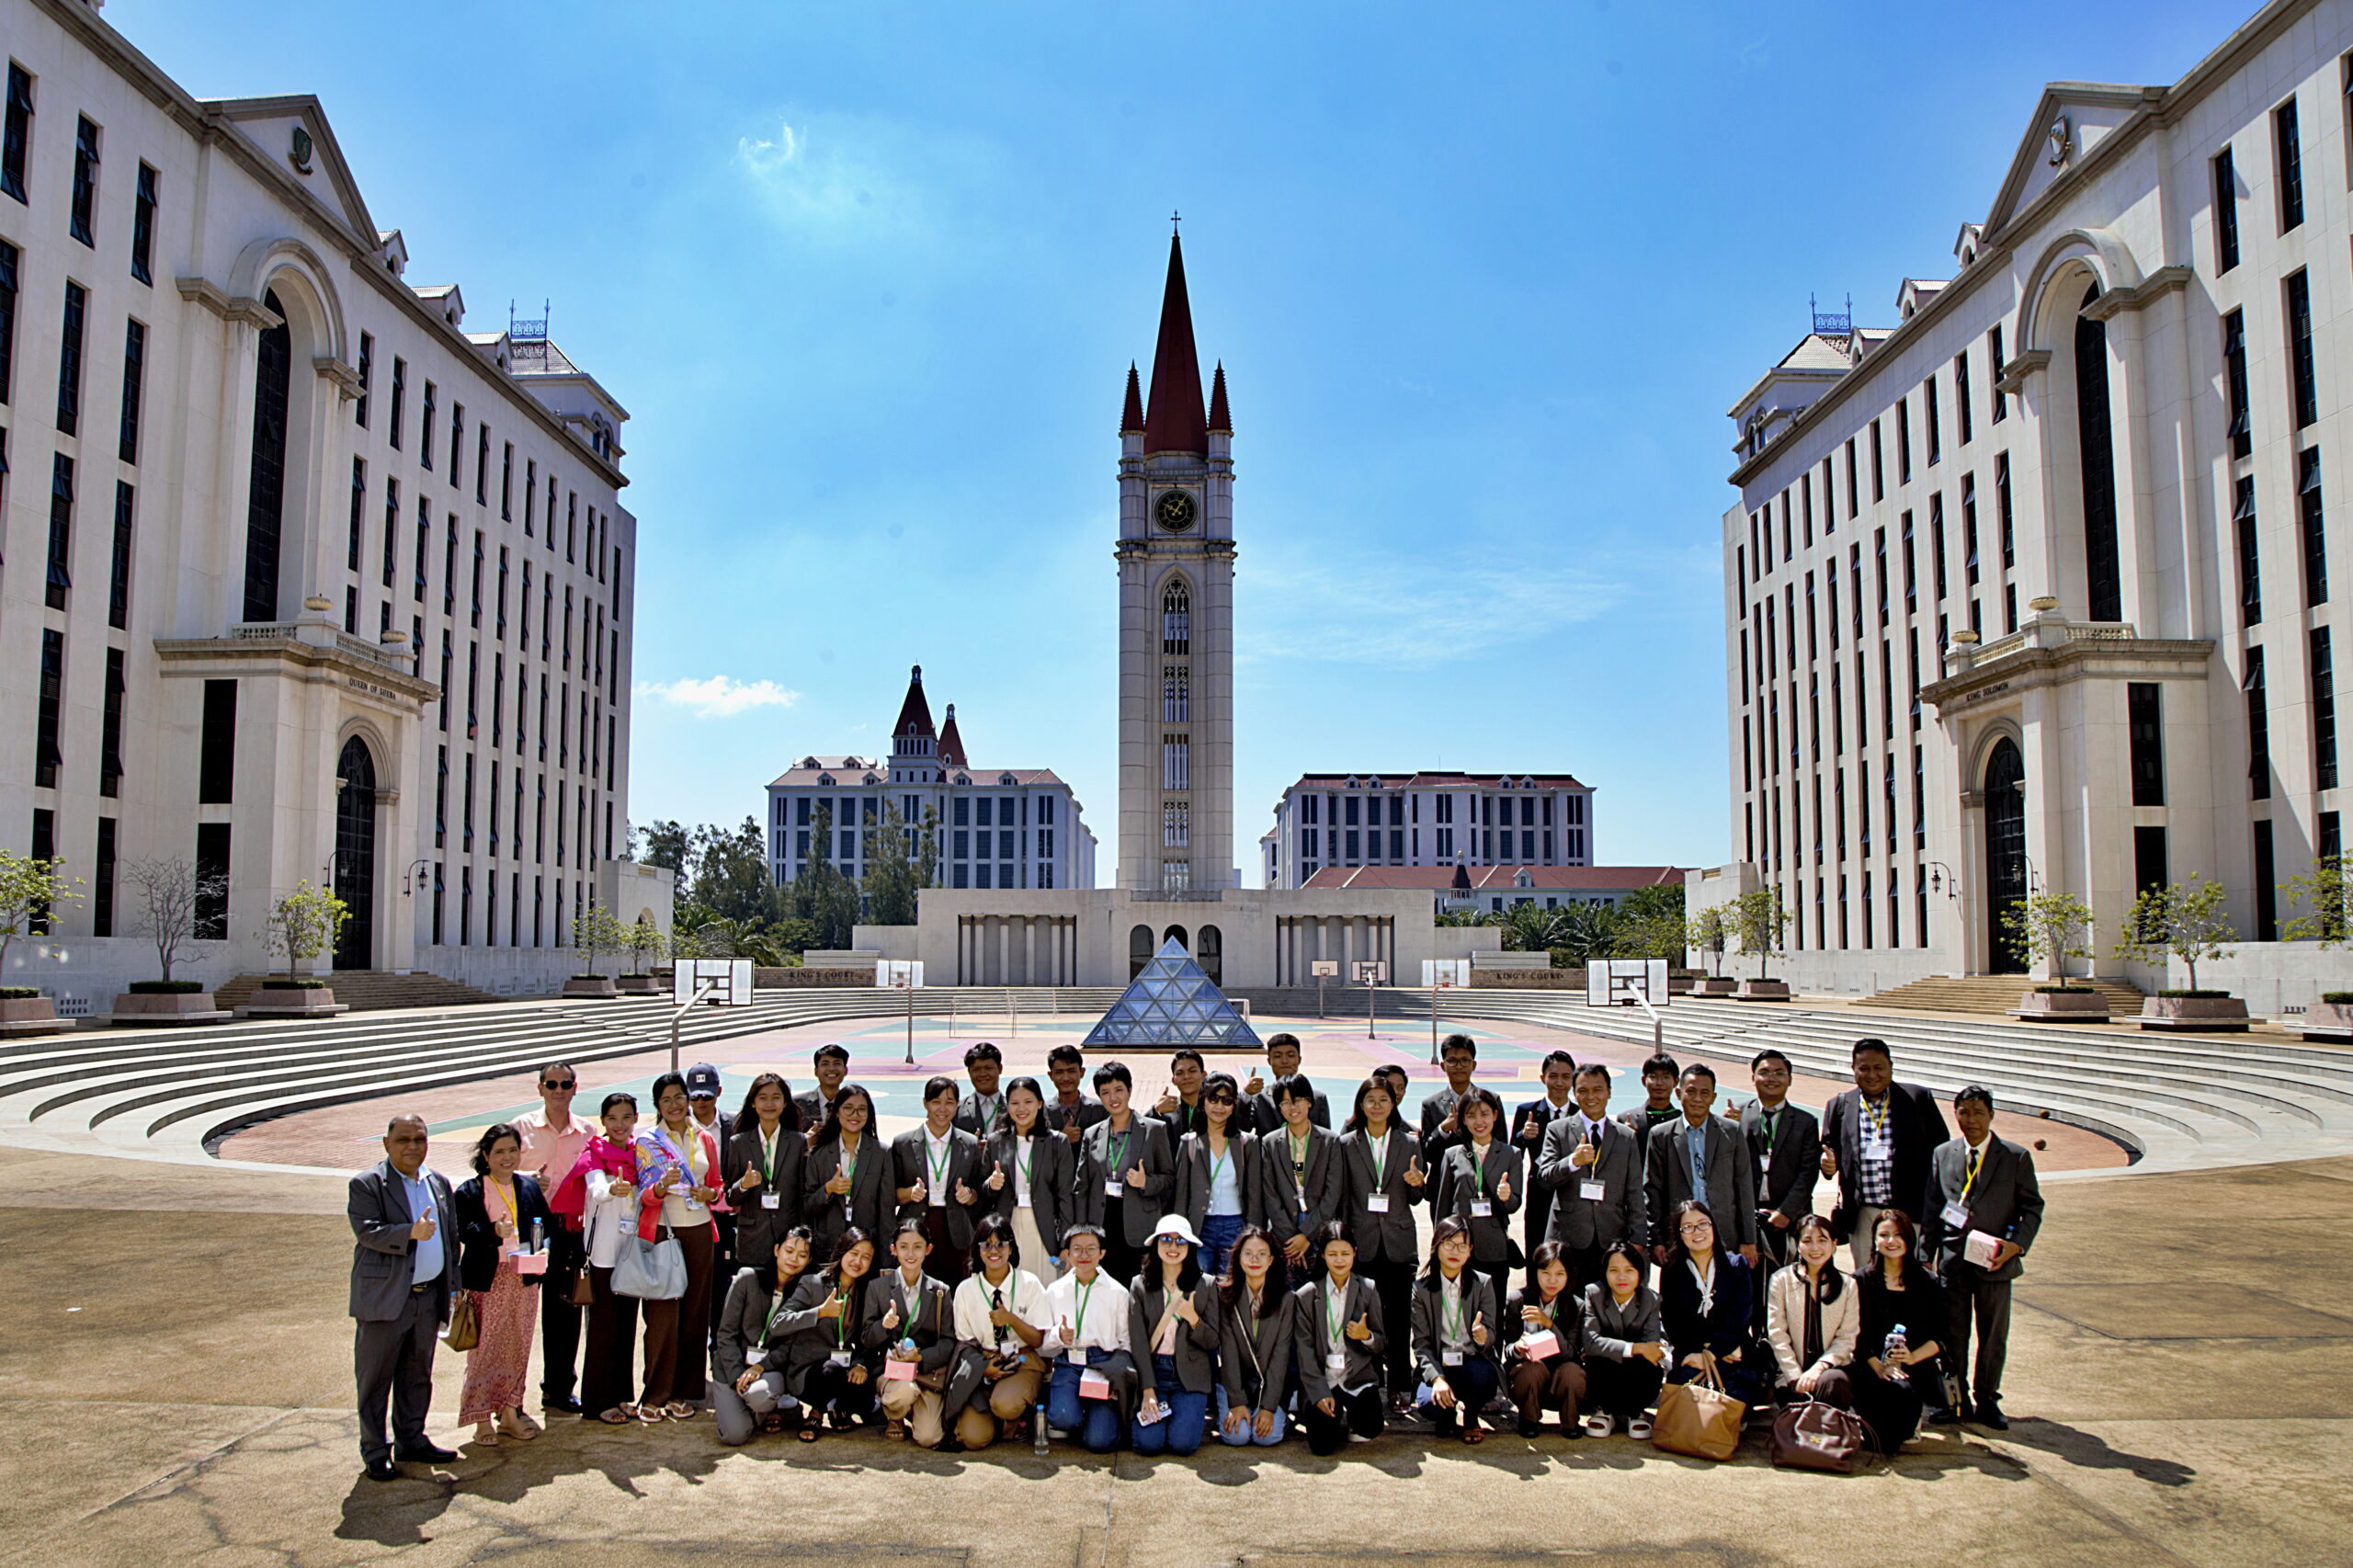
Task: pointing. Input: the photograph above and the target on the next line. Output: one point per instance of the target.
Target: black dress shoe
(562, 1404)
(1989, 1414)
(1944, 1416)
(1526, 1428)
(426, 1453)
(382, 1469)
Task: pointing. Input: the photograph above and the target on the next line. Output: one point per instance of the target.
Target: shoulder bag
(465, 1328)
(1697, 1418)
(651, 1271)
(1810, 1435)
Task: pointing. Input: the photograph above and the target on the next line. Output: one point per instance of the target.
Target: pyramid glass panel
(1172, 1003)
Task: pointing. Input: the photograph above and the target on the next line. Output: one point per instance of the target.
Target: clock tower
(1176, 556)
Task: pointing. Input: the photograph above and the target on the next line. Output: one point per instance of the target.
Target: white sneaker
(1358, 1438)
(1639, 1430)
(1597, 1425)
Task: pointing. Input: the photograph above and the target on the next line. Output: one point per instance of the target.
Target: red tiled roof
(1500, 879)
(1448, 778)
(853, 777)
(1174, 421)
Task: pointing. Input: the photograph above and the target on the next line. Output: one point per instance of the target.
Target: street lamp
(1942, 880)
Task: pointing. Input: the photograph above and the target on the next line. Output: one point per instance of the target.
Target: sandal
(1638, 1428)
(808, 1432)
(514, 1424)
(650, 1414)
(894, 1430)
(486, 1435)
(678, 1409)
(1474, 1433)
(617, 1416)
(772, 1422)
(1597, 1425)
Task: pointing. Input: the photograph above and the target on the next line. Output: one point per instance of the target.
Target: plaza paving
(174, 1383)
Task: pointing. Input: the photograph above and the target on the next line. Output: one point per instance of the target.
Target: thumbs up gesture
(914, 1194)
(966, 1196)
(1361, 1329)
(1413, 1177)
(1503, 1187)
(1479, 1329)
(1257, 1084)
(891, 1318)
(1584, 1155)
(1062, 1329)
(996, 1178)
(1136, 1178)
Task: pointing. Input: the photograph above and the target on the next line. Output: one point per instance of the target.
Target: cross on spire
(1175, 218)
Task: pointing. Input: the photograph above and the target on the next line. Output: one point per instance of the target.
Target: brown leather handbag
(1810, 1435)
(465, 1326)
(1697, 1418)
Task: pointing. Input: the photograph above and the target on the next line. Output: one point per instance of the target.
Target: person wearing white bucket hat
(1172, 1318)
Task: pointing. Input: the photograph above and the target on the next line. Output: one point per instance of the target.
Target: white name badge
(770, 1199)
(1956, 1216)
(1593, 1191)
(1337, 1364)
(1764, 1165)
(1113, 1190)
(1378, 1203)
(1481, 1209)
(1021, 1200)
(839, 1358)
(1450, 1357)
(1876, 1149)
(754, 1358)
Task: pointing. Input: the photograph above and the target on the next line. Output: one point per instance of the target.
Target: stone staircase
(1995, 994)
(369, 991)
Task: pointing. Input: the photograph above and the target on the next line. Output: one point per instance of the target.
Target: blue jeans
(1474, 1383)
(1096, 1421)
(1178, 1432)
(1218, 1232)
(1249, 1433)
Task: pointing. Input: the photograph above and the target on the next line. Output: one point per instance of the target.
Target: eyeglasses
(559, 1083)
(1699, 1230)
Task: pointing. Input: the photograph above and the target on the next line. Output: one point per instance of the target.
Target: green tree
(645, 944)
(670, 846)
(1586, 932)
(2322, 891)
(2185, 920)
(1530, 927)
(1650, 923)
(1462, 917)
(1707, 931)
(595, 931)
(903, 861)
(305, 923)
(823, 895)
(732, 875)
(2053, 925)
(31, 891)
(1760, 919)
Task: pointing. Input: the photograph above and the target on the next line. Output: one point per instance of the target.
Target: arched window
(265, 488)
(1139, 951)
(2006, 865)
(1177, 934)
(2104, 593)
(354, 854)
(1210, 954)
(1176, 620)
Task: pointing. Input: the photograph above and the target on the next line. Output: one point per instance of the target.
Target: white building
(252, 472)
(1495, 889)
(1429, 818)
(2033, 589)
(999, 828)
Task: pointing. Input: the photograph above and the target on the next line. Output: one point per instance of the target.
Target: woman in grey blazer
(1482, 1182)
(1172, 1333)
(1381, 1180)
(1456, 1330)
(752, 1386)
(846, 1180)
(1031, 1185)
(1625, 1361)
(1336, 1344)
(1217, 1174)
(762, 1163)
(1258, 1322)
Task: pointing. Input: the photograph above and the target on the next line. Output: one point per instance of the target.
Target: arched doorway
(1211, 955)
(354, 854)
(2005, 853)
(1139, 951)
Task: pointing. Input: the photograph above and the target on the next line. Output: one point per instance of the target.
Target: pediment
(2069, 120)
(314, 157)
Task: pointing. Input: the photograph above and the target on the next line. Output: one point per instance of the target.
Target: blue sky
(1484, 278)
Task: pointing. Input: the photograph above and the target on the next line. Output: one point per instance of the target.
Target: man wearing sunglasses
(553, 1139)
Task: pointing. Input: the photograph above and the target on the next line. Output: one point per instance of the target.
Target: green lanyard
(1380, 1158)
(1025, 1156)
(940, 1165)
(1479, 1168)
(1772, 1130)
(1116, 1144)
(1216, 1167)
(776, 1310)
(1336, 1315)
(841, 1319)
(1085, 1293)
(767, 1157)
(1449, 1310)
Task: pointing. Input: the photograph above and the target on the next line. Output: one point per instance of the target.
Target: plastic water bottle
(1038, 1446)
(1898, 1344)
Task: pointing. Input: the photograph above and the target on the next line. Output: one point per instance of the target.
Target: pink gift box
(530, 1263)
(902, 1371)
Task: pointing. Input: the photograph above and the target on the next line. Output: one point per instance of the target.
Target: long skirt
(498, 1368)
(1035, 1255)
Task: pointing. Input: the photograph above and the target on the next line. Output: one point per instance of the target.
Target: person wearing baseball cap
(1173, 1320)
(702, 1101)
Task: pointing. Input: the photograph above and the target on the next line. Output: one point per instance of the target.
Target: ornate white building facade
(2033, 590)
(1428, 818)
(304, 581)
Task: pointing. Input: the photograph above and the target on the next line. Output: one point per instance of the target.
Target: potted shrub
(2054, 927)
(1706, 933)
(29, 891)
(168, 892)
(2185, 922)
(2322, 891)
(645, 945)
(595, 932)
(302, 925)
(1760, 920)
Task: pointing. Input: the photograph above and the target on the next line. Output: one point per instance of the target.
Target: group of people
(1041, 1261)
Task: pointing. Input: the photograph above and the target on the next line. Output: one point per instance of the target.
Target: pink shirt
(550, 1153)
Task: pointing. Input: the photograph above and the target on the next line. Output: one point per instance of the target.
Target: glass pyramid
(1172, 1003)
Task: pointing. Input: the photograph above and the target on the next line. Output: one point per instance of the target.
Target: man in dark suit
(1530, 1123)
(1179, 1106)
(1784, 1160)
(1592, 1167)
(832, 1066)
(1258, 1110)
(1298, 1173)
(976, 1112)
(1660, 1075)
(1126, 1169)
(1876, 1139)
(1070, 1110)
(403, 1268)
(1700, 1155)
(1459, 1055)
(940, 1170)
(1984, 1184)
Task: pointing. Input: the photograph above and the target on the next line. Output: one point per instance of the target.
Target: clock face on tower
(1174, 510)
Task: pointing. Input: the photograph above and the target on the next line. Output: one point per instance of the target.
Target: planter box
(28, 1014)
(293, 1002)
(2195, 1015)
(2326, 1020)
(1762, 991)
(1680, 985)
(1714, 985)
(140, 1008)
(601, 985)
(639, 985)
(2061, 1007)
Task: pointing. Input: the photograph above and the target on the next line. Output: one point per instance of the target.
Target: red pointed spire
(914, 713)
(952, 745)
(1221, 420)
(1132, 412)
(1173, 419)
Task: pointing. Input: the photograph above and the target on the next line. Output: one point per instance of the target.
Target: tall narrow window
(69, 360)
(1935, 428)
(1902, 440)
(58, 579)
(2006, 518)
(2103, 585)
(1969, 526)
(50, 711)
(425, 430)
(143, 226)
(265, 488)
(367, 380)
(482, 462)
(216, 747)
(118, 574)
(2250, 575)
(2267, 895)
(111, 728)
(1879, 485)
(457, 442)
(2241, 425)
(2300, 349)
(423, 547)
(102, 881)
(2258, 728)
(135, 366)
(1936, 542)
(400, 399)
(8, 256)
(210, 921)
(1175, 620)
(2288, 150)
(1960, 408)
(1911, 570)
(1854, 494)
(506, 481)
(530, 492)
(82, 220)
(1993, 373)
(392, 533)
(357, 528)
(2323, 712)
(16, 139)
(2315, 529)
(2143, 719)
(2226, 212)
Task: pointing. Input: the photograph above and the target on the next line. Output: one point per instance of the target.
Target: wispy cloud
(1401, 615)
(718, 697)
(825, 181)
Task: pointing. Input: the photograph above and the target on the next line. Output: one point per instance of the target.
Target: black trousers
(948, 1263)
(1363, 1412)
(1121, 1260)
(559, 1319)
(393, 1359)
(1623, 1389)
(1392, 1282)
(1975, 1302)
(827, 1387)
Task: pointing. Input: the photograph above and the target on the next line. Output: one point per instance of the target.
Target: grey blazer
(1380, 1237)
(925, 1316)
(1478, 1303)
(1731, 1193)
(1490, 1234)
(382, 1255)
(1192, 1187)
(1279, 1199)
(808, 1338)
(1312, 1337)
(966, 1164)
(869, 1204)
(2005, 1200)
(744, 1326)
(977, 1119)
(1147, 1144)
(1785, 1187)
(1051, 1205)
(757, 1227)
(1254, 1354)
(1619, 1214)
(1196, 1343)
(1611, 1330)
(1266, 1117)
